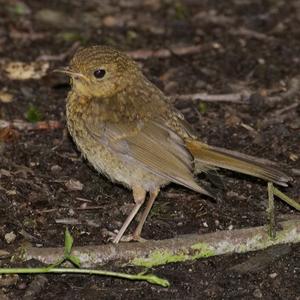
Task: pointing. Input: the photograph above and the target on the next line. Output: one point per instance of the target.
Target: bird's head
(101, 71)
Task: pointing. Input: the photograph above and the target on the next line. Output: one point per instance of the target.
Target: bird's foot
(112, 237)
(132, 237)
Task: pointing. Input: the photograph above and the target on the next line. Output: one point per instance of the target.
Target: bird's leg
(137, 233)
(271, 211)
(139, 196)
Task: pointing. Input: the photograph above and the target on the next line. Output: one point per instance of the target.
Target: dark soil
(245, 46)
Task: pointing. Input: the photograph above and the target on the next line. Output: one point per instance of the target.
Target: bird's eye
(100, 73)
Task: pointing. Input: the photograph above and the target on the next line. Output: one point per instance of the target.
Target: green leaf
(181, 11)
(32, 114)
(157, 280)
(19, 8)
(68, 36)
(74, 260)
(68, 243)
(202, 107)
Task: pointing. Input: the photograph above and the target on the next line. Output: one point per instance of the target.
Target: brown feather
(215, 157)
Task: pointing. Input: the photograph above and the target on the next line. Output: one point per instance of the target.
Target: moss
(158, 257)
(33, 115)
(20, 254)
(202, 250)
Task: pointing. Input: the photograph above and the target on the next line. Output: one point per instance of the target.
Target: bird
(129, 131)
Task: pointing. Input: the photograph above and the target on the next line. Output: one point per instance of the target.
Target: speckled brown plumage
(128, 130)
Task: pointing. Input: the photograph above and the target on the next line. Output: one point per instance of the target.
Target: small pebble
(273, 275)
(56, 169)
(74, 185)
(10, 237)
(257, 293)
(71, 212)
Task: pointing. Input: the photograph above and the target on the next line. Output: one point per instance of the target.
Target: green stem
(286, 199)
(149, 278)
(271, 211)
(54, 265)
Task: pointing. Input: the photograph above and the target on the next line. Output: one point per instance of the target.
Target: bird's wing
(151, 145)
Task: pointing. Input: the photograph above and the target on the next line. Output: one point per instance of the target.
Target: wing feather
(154, 146)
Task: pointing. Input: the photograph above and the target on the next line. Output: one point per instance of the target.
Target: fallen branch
(76, 263)
(187, 247)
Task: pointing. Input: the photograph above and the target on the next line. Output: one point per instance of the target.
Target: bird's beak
(69, 72)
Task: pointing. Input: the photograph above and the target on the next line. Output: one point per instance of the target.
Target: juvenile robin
(129, 131)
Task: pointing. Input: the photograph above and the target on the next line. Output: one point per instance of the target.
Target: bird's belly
(107, 162)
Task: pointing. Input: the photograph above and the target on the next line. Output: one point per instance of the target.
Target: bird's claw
(125, 238)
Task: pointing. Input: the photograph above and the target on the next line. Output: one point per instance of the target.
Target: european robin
(129, 131)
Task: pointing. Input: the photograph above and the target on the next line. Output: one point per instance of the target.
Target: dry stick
(245, 96)
(242, 97)
(61, 56)
(165, 52)
(24, 125)
(187, 247)
(294, 88)
(242, 31)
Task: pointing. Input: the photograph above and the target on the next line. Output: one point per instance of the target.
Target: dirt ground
(245, 46)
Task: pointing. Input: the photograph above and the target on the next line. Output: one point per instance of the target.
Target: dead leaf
(74, 185)
(11, 192)
(5, 173)
(5, 97)
(17, 70)
(8, 134)
(8, 280)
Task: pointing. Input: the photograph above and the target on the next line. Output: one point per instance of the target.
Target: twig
(164, 52)
(22, 125)
(187, 247)
(61, 56)
(242, 97)
(89, 207)
(69, 221)
(242, 31)
(73, 221)
(212, 17)
(285, 109)
(294, 88)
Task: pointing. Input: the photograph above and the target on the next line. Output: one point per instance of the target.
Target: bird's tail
(212, 157)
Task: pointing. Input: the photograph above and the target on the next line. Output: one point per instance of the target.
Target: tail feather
(216, 157)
